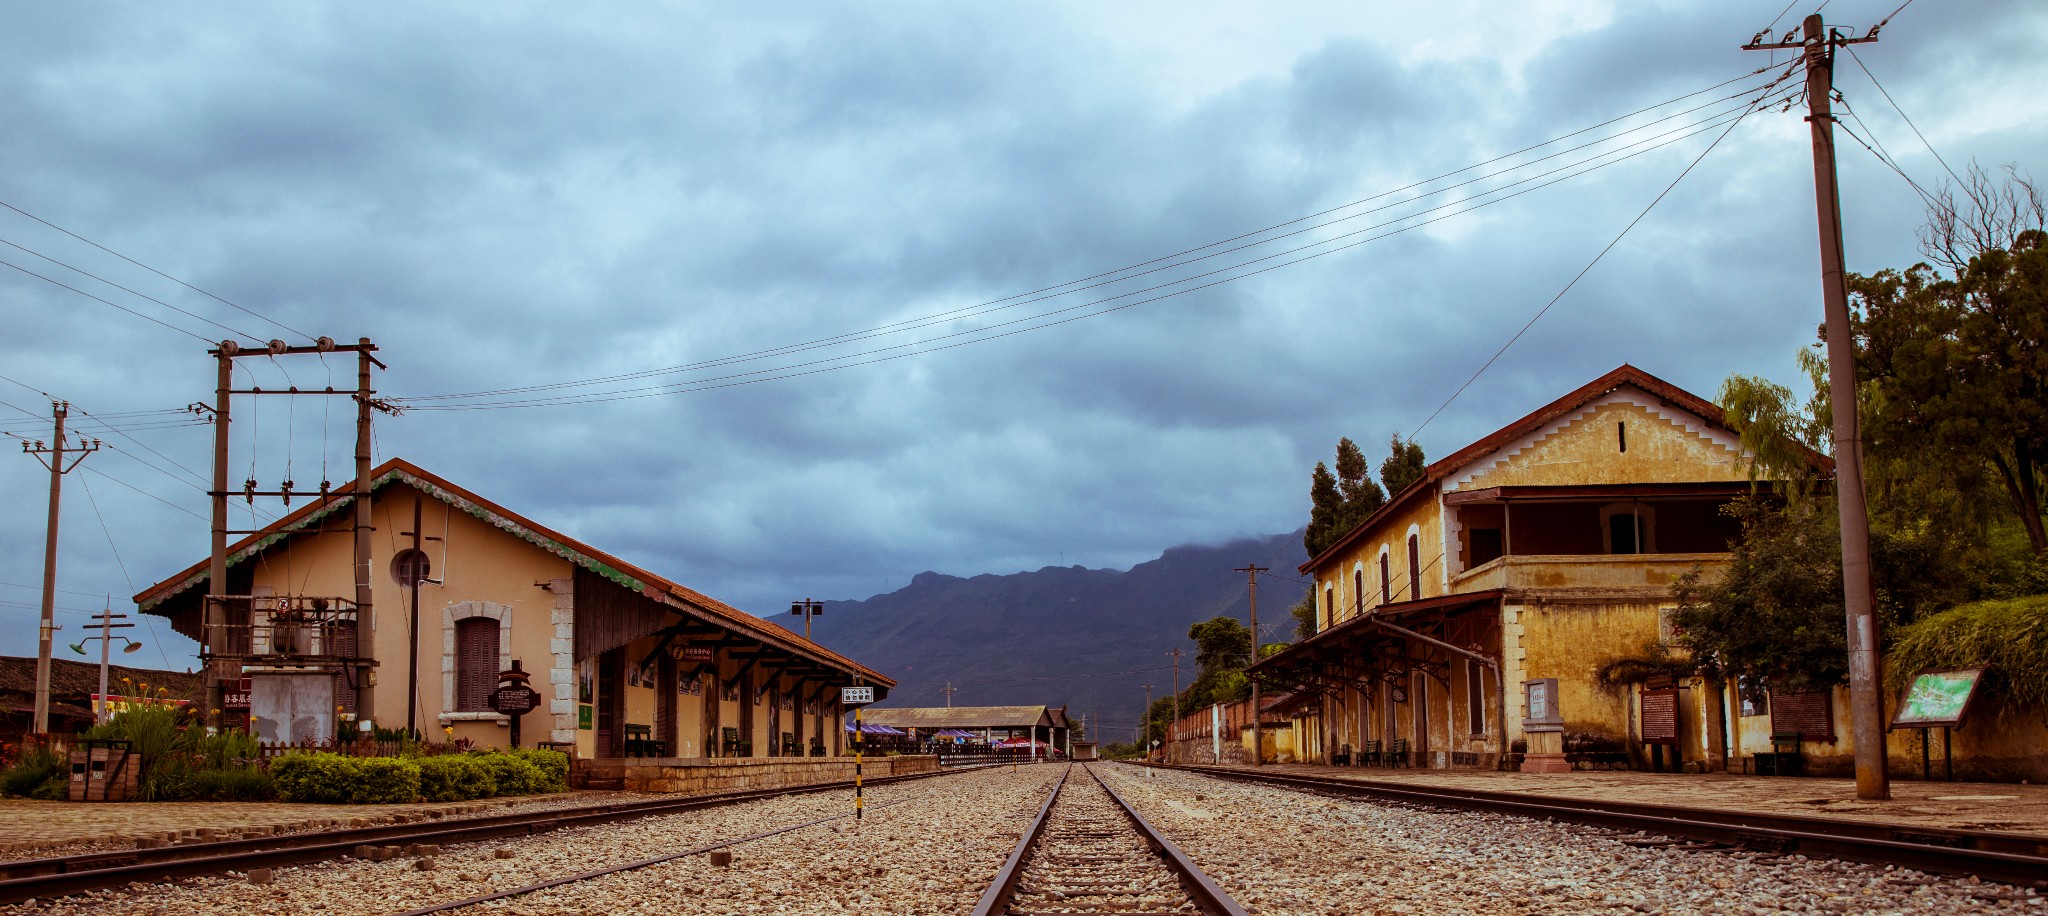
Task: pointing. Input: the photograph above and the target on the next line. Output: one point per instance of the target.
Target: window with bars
(476, 663)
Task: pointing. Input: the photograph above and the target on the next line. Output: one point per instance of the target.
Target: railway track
(2004, 857)
(1088, 851)
(67, 875)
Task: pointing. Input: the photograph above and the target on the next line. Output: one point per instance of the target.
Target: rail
(2004, 857)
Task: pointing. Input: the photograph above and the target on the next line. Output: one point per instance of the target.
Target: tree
(1304, 614)
(1958, 371)
(1361, 496)
(1980, 214)
(1326, 511)
(1404, 465)
(1223, 647)
(1776, 615)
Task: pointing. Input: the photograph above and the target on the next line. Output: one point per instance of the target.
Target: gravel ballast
(1281, 851)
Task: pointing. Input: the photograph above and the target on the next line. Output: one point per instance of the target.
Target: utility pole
(1146, 742)
(1866, 703)
(1251, 580)
(1174, 734)
(55, 462)
(948, 690)
(808, 608)
(106, 625)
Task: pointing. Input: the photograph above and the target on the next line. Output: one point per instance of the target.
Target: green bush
(511, 775)
(320, 778)
(384, 781)
(230, 749)
(35, 767)
(553, 765)
(55, 788)
(2009, 637)
(455, 777)
(233, 784)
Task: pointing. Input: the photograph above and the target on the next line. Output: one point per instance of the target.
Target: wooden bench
(1397, 753)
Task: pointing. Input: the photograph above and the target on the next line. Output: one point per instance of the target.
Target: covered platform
(1040, 730)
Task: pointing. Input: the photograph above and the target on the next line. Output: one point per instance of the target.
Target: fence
(359, 748)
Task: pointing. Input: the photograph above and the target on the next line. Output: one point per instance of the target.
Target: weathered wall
(701, 776)
(1664, 446)
(1570, 642)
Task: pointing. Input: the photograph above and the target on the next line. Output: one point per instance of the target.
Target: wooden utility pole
(949, 690)
(1174, 733)
(365, 679)
(1145, 743)
(47, 630)
(214, 641)
(1251, 581)
(1866, 702)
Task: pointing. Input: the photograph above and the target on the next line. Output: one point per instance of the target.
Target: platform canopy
(969, 718)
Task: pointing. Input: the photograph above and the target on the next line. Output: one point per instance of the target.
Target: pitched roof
(1585, 394)
(78, 679)
(962, 717)
(627, 575)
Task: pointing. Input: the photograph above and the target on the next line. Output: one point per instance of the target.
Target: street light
(807, 609)
(106, 625)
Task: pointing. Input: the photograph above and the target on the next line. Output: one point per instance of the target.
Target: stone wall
(706, 776)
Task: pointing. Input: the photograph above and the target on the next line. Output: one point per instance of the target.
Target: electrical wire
(200, 337)
(159, 273)
(83, 272)
(147, 619)
(1091, 282)
(1589, 266)
(1902, 112)
(790, 371)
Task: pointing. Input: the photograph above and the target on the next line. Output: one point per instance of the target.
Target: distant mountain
(1061, 635)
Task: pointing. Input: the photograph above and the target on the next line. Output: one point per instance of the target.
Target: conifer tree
(1404, 465)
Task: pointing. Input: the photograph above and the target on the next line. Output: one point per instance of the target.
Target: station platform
(706, 775)
(2007, 807)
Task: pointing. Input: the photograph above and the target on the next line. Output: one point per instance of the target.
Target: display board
(1660, 716)
(1938, 697)
(1812, 715)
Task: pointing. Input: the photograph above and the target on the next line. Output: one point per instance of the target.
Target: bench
(1397, 753)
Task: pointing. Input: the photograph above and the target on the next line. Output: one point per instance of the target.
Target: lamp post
(807, 609)
(104, 623)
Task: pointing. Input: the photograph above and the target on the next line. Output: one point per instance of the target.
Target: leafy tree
(1361, 496)
(1404, 465)
(1326, 511)
(1304, 614)
(1777, 613)
(1222, 648)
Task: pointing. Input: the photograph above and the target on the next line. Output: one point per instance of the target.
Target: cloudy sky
(515, 195)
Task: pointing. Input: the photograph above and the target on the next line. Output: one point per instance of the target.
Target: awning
(867, 729)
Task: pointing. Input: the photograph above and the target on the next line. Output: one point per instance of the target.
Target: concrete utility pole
(1174, 734)
(1866, 702)
(104, 623)
(47, 630)
(1145, 742)
(949, 690)
(1251, 580)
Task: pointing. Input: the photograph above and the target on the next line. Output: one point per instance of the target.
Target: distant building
(1510, 574)
(72, 686)
(986, 724)
(625, 661)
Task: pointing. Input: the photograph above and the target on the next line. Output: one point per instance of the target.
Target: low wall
(707, 775)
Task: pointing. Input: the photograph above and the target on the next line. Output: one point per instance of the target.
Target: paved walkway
(31, 828)
(1960, 805)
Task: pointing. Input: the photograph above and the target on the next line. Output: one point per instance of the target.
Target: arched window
(1414, 567)
(476, 663)
(1358, 587)
(1329, 605)
(1386, 578)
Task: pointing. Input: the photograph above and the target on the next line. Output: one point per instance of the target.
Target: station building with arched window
(627, 663)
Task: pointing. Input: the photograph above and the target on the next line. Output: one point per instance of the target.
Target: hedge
(325, 778)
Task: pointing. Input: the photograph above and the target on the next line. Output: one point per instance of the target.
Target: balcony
(1592, 572)
(297, 630)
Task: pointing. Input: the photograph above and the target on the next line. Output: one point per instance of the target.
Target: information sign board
(1938, 697)
(514, 700)
(1660, 716)
(856, 696)
(694, 653)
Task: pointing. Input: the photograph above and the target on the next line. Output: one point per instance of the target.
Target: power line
(146, 493)
(1902, 112)
(159, 273)
(79, 270)
(123, 564)
(103, 301)
(787, 371)
(1070, 286)
(1589, 266)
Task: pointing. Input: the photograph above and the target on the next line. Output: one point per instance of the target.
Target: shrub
(2008, 636)
(55, 788)
(232, 784)
(230, 749)
(384, 781)
(320, 778)
(35, 766)
(511, 775)
(553, 765)
(454, 777)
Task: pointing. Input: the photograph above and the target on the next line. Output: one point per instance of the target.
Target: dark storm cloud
(513, 197)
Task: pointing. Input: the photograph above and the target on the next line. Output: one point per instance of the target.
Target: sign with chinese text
(856, 696)
(694, 653)
(235, 694)
(1660, 716)
(514, 700)
(1938, 698)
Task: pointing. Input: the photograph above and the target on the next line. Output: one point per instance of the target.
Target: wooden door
(611, 704)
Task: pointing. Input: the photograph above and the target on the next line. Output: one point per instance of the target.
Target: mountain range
(1088, 639)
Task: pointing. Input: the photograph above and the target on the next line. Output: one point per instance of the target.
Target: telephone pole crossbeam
(51, 455)
(1251, 581)
(1866, 701)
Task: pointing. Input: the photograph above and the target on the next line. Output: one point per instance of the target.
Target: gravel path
(961, 826)
(1092, 859)
(1280, 851)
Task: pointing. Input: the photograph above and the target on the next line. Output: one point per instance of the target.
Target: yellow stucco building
(1472, 614)
(625, 661)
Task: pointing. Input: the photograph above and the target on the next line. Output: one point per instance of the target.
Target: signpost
(1938, 697)
(514, 698)
(856, 697)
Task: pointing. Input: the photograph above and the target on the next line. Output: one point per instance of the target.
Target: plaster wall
(1665, 445)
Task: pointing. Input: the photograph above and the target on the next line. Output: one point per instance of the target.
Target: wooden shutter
(1386, 581)
(476, 663)
(1414, 567)
(1475, 698)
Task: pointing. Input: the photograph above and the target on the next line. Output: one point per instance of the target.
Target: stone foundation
(706, 776)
